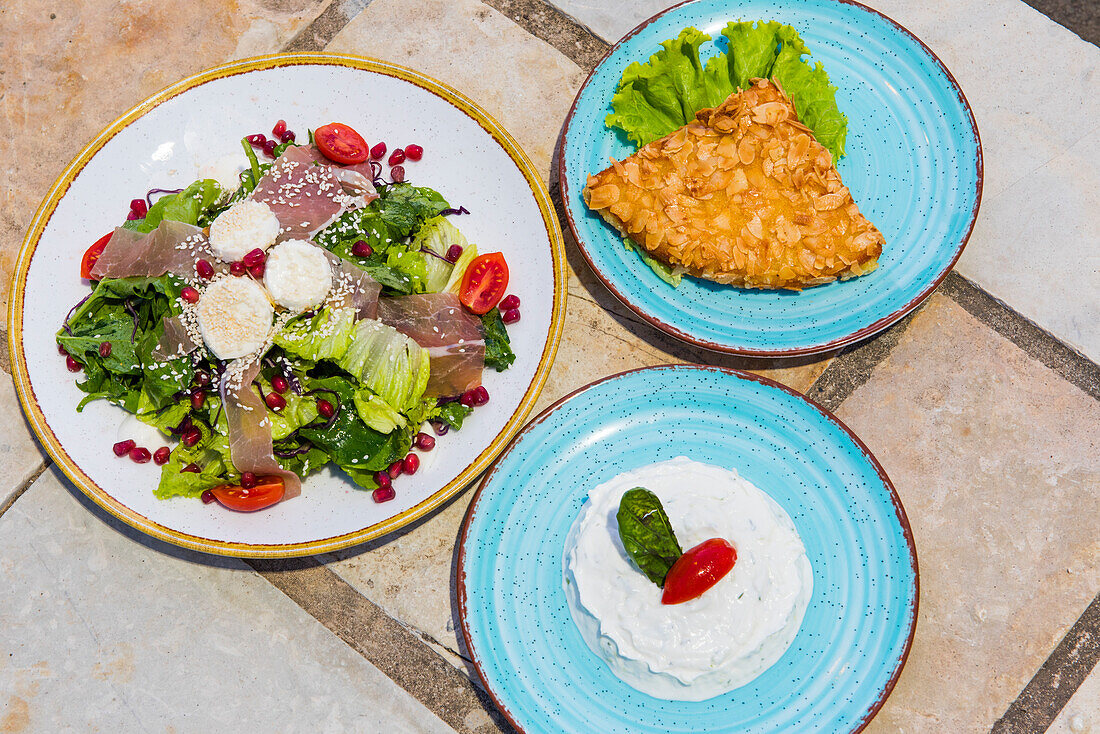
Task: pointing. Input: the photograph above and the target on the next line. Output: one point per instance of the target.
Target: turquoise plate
(913, 165)
(857, 630)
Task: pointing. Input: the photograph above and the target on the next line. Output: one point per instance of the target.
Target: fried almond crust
(744, 195)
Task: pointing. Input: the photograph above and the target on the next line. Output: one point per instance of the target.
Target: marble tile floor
(982, 405)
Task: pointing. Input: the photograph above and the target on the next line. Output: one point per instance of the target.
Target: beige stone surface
(1081, 714)
(104, 630)
(72, 68)
(20, 455)
(996, 461)
(521, 81)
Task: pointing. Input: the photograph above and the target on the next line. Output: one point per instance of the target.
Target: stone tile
(72, 68)
(996, 461)
(20, 455)
(521, 81)
(103, 630)
(1032, 244)
(1081, 714)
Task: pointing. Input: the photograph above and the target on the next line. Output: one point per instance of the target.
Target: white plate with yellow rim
(168, 141)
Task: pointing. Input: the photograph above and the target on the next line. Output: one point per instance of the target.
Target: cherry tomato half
(92, 254)
(340, 143)
(269, 489)
(484, 283)
(697, 570)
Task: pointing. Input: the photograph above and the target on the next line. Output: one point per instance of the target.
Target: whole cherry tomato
(340, 143)
(269, 489)
(484, 282)
(92, 254)
(697, 570)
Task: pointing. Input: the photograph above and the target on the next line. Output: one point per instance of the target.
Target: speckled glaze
(913, 165)
(857, 630)
(164, 142)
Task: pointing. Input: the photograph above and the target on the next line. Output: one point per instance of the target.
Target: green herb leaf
(647, 534)
(498, 347)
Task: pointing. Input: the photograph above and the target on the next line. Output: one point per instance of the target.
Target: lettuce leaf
(390, 364)
(657, 97)
(437, 235)
(325, 335)
(498, 347)
(186, 206)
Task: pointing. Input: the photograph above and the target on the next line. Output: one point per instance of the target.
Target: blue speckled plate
(913, 165)
(857, 630)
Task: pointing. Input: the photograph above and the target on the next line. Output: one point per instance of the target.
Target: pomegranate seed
(269, 148)
(424, 442)
(275, 401)
(204, 269)
(198, 398)
(481, 395)
(395, 469)
(191, 437)
(207, 496)
(248, 480)
(140, 455)
(254, 257)
(62, 351)
(189, 294)
(257, 271)
(139, 207)
(510, 316)
(257, 140)
(279, 129)
(132, 215)
(397, 157)
(193, 468)
(411, 464)
(509, 302)
(397, 174)
(105, 349)
(161, 455)
(378, 151)
(237, 269)
(123, 447)
(382, 479)
(467, 398)
(383, 494)
(280, 384)
(453, 253)
(72, 365)
(287, 137)
(202, 379)
(325, 408)
(362, 249)
(414, 152)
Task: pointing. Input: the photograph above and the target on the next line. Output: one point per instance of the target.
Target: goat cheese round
(234, 316)
(712, 644)
(242, 228)
(297, 275)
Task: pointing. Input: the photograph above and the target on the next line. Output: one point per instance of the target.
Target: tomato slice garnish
(340, 143)
(697, 570)
(269, 489)
(484, 282)
(92, 254)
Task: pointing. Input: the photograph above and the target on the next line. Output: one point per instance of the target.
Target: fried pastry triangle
(742, 195)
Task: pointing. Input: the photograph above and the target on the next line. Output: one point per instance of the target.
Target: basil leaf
(647, 534)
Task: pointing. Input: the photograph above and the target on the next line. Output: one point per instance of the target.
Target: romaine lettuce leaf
(657, 97)
(390, 364)
(325, 335)
(186, 206)
(438, 235)
(376, 412)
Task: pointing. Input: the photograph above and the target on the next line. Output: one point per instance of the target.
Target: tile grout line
(322, 29)
(10, 501)
(384, 642)
(1047, 693)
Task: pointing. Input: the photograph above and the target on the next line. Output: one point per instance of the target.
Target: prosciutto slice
(305, 197)
(250, 445)
(452, 336)
(352, 287)
(173, 247)
(176, 341)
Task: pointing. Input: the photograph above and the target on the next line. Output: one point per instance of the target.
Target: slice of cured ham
(450, 333)
(305, 195)
(173, 247)
(353, 287)
(250, 445)
(176, 341)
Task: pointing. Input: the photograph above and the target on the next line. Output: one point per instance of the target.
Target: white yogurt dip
(710, 645)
